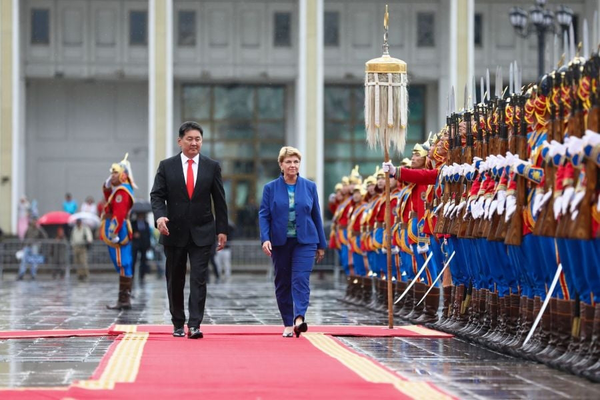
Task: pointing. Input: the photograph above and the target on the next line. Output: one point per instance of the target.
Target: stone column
(309, 91)
(160, 80)
(11, 181)
(462, 48)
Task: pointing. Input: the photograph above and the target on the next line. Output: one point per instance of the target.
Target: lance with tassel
(386, 118)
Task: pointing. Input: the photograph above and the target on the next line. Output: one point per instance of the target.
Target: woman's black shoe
(298, 329)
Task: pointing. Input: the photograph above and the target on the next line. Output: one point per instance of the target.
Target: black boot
(541, 336)
(562, 333)
(592, 355)
(124, 299)
(432, 303)
(420, 289)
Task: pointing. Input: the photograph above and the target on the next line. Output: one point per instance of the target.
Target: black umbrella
(141, 206)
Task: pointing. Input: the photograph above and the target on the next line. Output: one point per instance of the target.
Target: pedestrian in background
(89, 206)
(31, 251)
(141, 244)
(69, 205)
(81, 239)
(291, 232)
(58, 253)
(23, 213)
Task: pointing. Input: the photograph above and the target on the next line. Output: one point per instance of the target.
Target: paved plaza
(465, 370)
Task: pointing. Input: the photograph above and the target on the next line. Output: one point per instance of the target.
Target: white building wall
(76, 130)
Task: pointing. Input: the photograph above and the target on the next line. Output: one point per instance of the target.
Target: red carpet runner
(239, 362)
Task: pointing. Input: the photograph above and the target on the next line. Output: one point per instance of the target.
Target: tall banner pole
(386, 116)
(388, 237)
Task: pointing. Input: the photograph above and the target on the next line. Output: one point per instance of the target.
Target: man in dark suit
(183, 214)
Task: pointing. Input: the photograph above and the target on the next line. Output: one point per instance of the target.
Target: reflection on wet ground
(463, 369)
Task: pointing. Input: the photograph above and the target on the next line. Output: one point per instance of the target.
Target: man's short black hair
(190, 126)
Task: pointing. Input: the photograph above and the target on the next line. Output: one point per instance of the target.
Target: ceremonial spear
(386, 117)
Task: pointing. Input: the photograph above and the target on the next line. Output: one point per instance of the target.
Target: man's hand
(320, 255)
(221, 241)
(107, 182)
(267, 248)
(388, 167)
(115, 239)
(161, 224)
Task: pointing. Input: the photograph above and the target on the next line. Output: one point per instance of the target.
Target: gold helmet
(379, 174)
(360, 189)
(345, 180)
(355, 177)
(371, 180)
(405, 162)
(420, 150)
(123, 168)
(338, 186)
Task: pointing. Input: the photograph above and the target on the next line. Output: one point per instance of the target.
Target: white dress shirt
(184, 161)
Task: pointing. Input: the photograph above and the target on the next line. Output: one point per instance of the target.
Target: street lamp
(539, 20)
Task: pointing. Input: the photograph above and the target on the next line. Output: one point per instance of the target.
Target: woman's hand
(320, 255)
(266, 246)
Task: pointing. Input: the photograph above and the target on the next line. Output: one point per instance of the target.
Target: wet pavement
(465, 370)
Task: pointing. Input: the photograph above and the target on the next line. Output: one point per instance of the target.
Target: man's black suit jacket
(187, 216)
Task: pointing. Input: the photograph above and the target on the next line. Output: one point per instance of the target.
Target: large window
(40, 26)
(186, 29)
(244, 129)
(331, 33)
(282, 29)
(425, 29)
(345, 137)
(478, 30)
(138, 28)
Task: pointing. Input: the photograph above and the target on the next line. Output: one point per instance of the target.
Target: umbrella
(86, 218)
(54, 218)
(143, 206)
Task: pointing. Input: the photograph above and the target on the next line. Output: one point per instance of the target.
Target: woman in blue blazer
(291, 232)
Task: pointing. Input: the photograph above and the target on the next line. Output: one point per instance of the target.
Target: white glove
(446, 206)
(423, 249)
(493, 207)
(574, 206)
(332, 197)
(477, 208)
(574, 215)
(460, 206)
(501, 196)
(591, 138)
(438, 208)
(537, 203)
(449, 210)
(395, 249)
(557, 206)
(511, 207)
(486, 207)
(598, 204)
(107, 183)
(388, 167)
(115, 239)
(566, 198)
(574, 145)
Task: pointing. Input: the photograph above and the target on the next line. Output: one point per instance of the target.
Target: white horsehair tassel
(390, 110)
(377, 94)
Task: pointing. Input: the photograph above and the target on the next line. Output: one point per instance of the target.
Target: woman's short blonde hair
(288, 151)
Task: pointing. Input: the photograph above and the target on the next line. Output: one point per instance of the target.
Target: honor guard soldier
(115, 228)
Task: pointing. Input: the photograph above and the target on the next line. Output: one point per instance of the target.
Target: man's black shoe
(178, 332)
(195, 333)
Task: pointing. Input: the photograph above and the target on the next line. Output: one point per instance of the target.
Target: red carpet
(238, 362)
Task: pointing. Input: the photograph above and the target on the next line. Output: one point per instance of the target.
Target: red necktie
(190, 179)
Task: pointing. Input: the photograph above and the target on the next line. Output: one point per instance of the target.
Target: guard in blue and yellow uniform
(115, 229)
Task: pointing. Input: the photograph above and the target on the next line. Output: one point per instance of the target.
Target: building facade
(85, 81)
